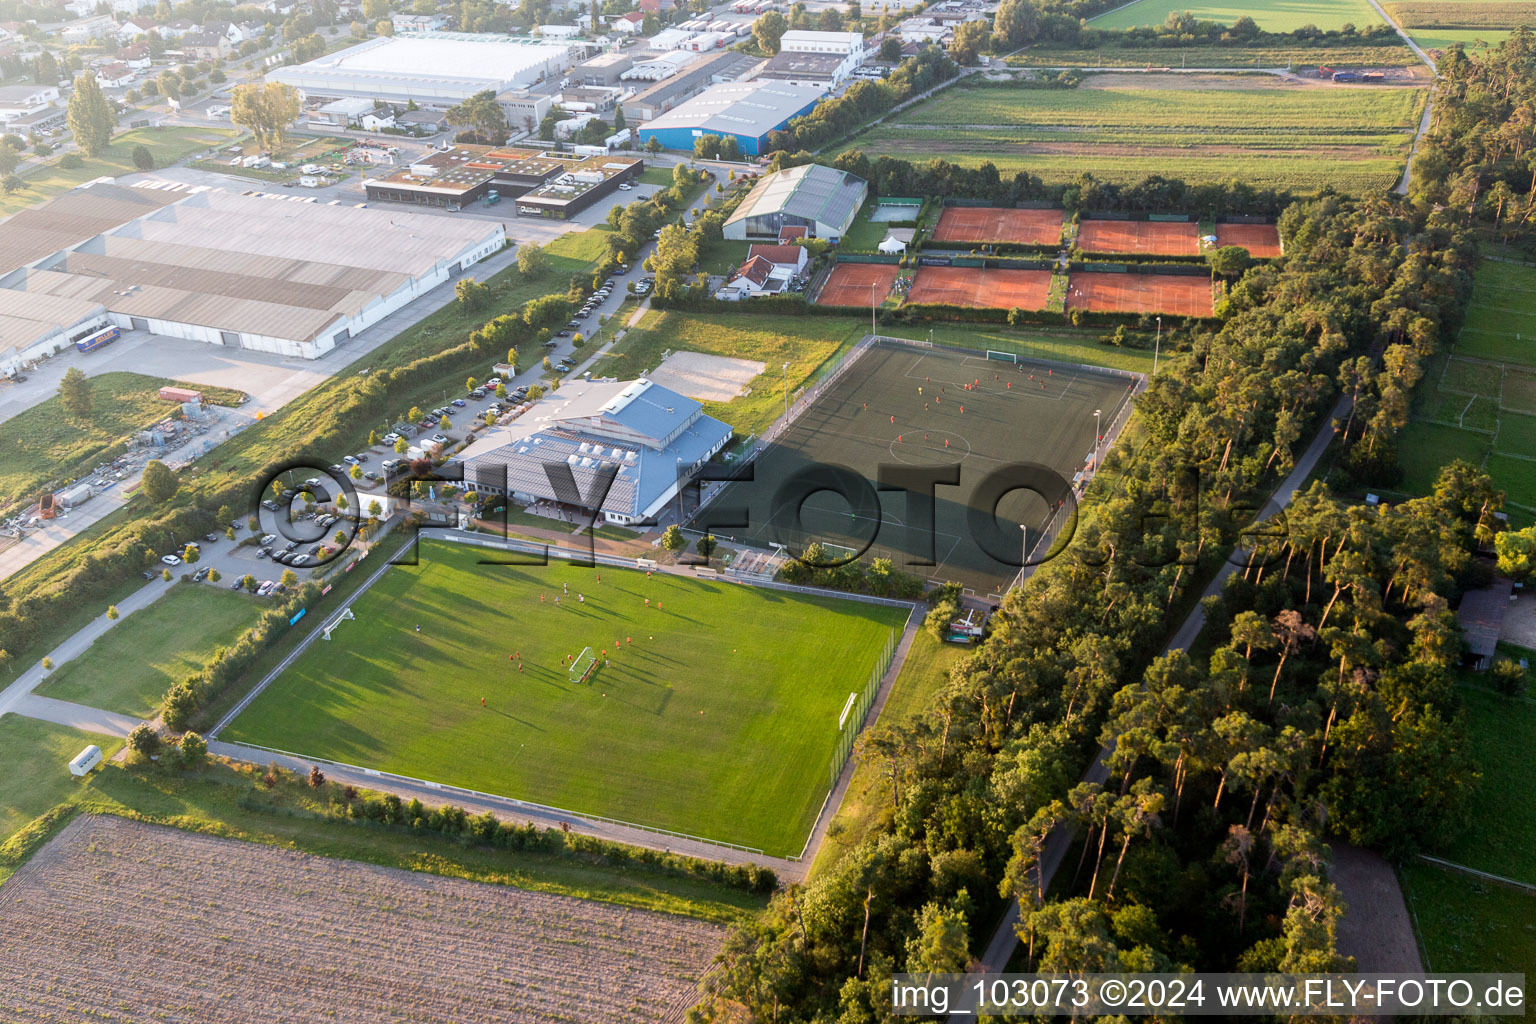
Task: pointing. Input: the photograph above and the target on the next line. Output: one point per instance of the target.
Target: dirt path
(1375, 929)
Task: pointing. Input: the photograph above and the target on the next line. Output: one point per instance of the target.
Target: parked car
(477, 394)
(459, 403)
(625, 186)
(170, 559)
(493, 382)
(269, 505)
(210, 537)
(390, 438)
(351, 460)
(562, 333)
(440, 438)
(198, 576)
(562, 368)
(267, 539)
(150, 575)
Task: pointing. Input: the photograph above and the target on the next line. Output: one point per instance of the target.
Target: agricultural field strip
(227, 931)
(1466, 14)
(1265, 111)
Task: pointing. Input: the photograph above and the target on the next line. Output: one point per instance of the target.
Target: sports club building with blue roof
(649, 439)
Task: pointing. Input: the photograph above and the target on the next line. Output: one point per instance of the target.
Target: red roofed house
(790, 232)
(768, 270)
(629, 24)
(656, 6)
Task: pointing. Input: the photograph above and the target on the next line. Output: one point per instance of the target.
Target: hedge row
(486, 830)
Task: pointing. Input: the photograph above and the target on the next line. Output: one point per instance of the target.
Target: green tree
(12, 183)
(289, 578)
(214, 575)
(90, 116)
(45, 69)
(673, 540)
(768, 30)
(75, 394)
(1015, 24)
(266, 111)
(112, 612)
(971, 37)
(159, 484)
(194, 750)
(706, 546)
(653, 145)
(532, 259)
(402, 446)
(143, 159)
(1517, 553)
(1230, 261)
(482, 115)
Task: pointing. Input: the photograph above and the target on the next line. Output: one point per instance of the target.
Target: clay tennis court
(849, 284)
(991, 224)
(1140, 293)
(1261, 240)
(988, 289)
(1156, 238)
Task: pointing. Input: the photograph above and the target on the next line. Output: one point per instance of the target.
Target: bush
(1508, 677)
(194, 750)
(71, 161)
(144, 740)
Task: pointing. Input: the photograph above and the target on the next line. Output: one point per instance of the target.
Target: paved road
(1005, 939)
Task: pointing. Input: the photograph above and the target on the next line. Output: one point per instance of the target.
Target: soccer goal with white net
(1005, 357)
(582, 667)
(346, 613)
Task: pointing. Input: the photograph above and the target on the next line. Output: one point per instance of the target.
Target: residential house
(656, 6)
(627, 24)
(135, 56)
(206, 45)
(768, 270)
(173, 30)
(115, 75)
(136, 26)
(377, 120)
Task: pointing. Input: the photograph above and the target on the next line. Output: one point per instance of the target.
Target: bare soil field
(140, 922)
(1243, 82)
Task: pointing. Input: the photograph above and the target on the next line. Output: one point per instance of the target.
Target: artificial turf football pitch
(908, 408)
(716, 716)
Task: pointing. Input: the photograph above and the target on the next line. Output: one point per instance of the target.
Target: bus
(91, 342)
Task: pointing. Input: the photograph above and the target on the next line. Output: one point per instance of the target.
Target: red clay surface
(849, 284)
(1156, 238)
(974, 286)
(990, 224)
(1139, 293)
(1261, 240)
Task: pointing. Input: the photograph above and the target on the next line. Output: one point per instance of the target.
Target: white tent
(892, 244)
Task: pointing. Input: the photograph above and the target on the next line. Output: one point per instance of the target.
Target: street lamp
(872, 308)
(1158, 346)
(1097, 437)
(786, 389)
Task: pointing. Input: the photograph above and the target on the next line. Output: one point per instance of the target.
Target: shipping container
(91, 342)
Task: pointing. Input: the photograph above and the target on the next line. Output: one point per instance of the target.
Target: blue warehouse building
(746, 111)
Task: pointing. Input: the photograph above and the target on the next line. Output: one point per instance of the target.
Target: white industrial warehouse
(436, 69)
(257, 272)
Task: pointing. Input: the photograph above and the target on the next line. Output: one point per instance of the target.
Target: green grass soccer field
(1478, 400)
(908, 407)
(715, 716)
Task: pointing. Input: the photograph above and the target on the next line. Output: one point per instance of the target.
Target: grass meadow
(131, 666)
(716, 716)
(1271, 15)
(36, 772)
(1467, 924)
(1123, 128)
(44, 443)
(1234, 57)
(166, 144)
